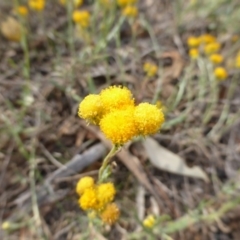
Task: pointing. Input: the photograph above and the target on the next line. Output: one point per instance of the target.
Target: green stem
(106, 162)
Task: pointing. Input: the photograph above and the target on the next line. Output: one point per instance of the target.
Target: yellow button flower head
(193, 42)
(37, 5)
(148, 118)
(91, 109)
(82, 18)
(110, 214)
(220, 73)
(149, 221)
(119, 126)
(216, 58)
(83, 184)
(207, 38)
(88, 200)
(115, 98)
(193, 53)
(105, 193)
(22, 10)
(150, 69)
(212, 48)
(78, 3)
(130, 11)
(124, 3)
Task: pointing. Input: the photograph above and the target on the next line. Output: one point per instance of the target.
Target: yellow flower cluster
(128, 7)
(210, 47)
(209, 43)
(150, 69)
(130, 11)
(98, 198)
(216, 58)
(220, 73)
(118, 117)
(149, 221)
(22, 10)
(82, 18)
(37, 5)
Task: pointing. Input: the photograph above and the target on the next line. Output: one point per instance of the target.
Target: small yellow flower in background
(193, 42)
(149, 221)
(207, 38)
(83, 184)
(37, 5)
(220, 73)
(11, 29)
(105, 193)
(5, 226)
(124, 3)
(194, 53)
(78, 3)
(119, 126)
(150, 69)
(148, 118)
(216, 58)
(110, 214)
(91, 109)
(130, 11)
(88, 200)
(82, 18)
(115, 98)
(212, 48)
(22, 10)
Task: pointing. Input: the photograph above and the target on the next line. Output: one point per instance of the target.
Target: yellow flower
(11, 29)
(37, 5)
(149, 221)
(150, 69)
(88, 200)
(5, 225)
(78, 3)
(110, 214)
(105, 193)
(91, 109)
(207, 38)
(194, 53)
(220, 73)
(82, 18)
(119, 126)
(216, 58)
(193, 42)
(130, 11)
(83, 184)
(22, 10)
(124, 3)
(212, 47)
(115, 98)
(148, 118)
